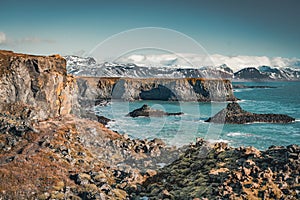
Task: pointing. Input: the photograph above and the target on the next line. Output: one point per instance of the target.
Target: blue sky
(228, 27)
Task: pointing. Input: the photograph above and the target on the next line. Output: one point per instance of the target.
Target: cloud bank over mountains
(236, 63)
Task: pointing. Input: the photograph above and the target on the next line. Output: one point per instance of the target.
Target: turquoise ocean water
(181, 130)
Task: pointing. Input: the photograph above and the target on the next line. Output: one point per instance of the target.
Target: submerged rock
(234, 114)
(146, 111)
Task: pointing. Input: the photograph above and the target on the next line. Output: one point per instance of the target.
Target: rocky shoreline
(52, 149)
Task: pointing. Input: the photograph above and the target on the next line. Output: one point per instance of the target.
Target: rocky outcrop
(218, 171)
(234, 114)
(175, 89)
(147, 111)
(103, 120)
(35, 87)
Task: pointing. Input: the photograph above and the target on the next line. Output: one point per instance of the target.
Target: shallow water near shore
(184, 129)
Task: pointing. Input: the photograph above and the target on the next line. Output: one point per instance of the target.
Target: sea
(279, 97)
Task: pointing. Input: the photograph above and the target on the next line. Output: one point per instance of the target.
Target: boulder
(103, 120)
(146, 111)
(234, 114)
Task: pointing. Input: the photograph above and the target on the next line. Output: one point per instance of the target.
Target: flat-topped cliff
(166, 89)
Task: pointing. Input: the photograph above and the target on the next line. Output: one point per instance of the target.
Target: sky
(228, 27)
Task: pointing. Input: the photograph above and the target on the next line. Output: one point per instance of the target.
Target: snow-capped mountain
(266, 73)
(87, 67)
(164, 66)
(235, 63)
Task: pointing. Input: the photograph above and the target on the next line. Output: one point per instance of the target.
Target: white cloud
(234, 62)
(26, 40)
(35, 40)
(2, 38)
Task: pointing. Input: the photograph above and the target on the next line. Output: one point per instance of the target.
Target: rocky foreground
(52, 149)
(221, 172)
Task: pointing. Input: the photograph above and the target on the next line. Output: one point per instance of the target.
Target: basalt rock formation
(48, 152)
(234, 114)
(147, 111)
(93, 89)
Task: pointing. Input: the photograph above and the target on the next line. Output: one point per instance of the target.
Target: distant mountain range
(141, 66)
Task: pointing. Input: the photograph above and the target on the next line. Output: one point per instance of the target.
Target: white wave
(243, 100)
(297, 120)
(258, 123)
(219, 140)
(234, 134)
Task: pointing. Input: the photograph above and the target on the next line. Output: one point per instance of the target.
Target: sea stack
(147, 111)
(234, 114)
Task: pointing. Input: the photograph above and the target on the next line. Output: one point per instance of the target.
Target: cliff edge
(35, 87)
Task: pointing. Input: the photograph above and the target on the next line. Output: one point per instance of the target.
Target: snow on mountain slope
(189, 65)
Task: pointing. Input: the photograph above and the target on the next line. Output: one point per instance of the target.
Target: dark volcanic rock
(103, 120)
(146, 111)
(234, 114)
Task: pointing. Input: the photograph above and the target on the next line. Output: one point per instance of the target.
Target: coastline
(60, 154)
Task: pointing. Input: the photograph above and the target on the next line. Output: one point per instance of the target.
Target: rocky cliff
(48, 153)
(166, 89)
(35, 87)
